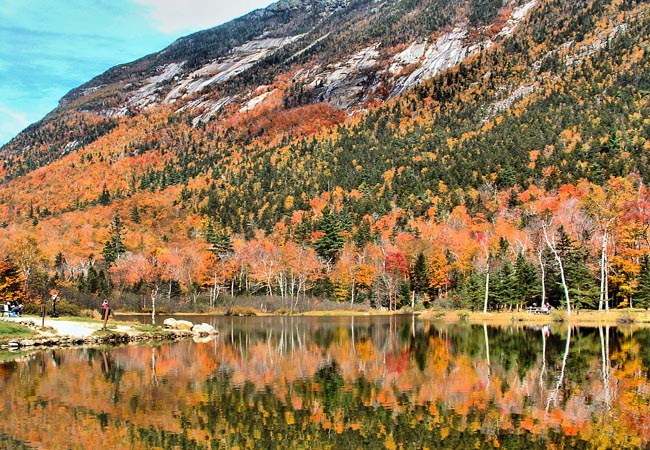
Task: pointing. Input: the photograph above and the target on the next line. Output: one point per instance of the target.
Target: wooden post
(106, 310)
(43, 314)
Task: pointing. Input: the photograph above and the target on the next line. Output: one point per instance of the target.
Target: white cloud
(173, 16)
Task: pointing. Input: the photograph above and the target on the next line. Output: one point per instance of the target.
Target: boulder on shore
(184, 325)
(203, 329)
(170, 322)
(199, 329)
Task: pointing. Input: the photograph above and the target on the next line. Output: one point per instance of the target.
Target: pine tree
(105, 196)
(209, 233)
(59, 263)
(642, 292)
(135, 214)
(114, 247)
(329, 244)
(219, 243)
(582, 285)
(363, 235)
(471, 293)
(419, 276)
(503, 286)
(526, 288)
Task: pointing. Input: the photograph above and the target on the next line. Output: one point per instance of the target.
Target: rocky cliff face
(347, 53)
(371, 73)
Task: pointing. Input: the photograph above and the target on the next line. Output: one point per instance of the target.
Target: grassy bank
(582, 317)
(10, 331)
(615, 317)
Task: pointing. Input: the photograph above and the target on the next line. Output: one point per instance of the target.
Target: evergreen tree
(363, 236)
(502, 291)
(526, 289)
(114, 247)
(419, 276)
(135, 214)
(219, 243)
(552, 282)
(104, 197)
(209, 233)
(92, 281)
(302, 231)
(175, 291)
(506, 177)
(472, 293)
(583, 289)
(59, 263)
(642, 292)
(329, 244)
(103, 284)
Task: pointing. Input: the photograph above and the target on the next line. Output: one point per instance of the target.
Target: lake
(394, 382)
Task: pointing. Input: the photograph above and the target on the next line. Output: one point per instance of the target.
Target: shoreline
(62, 332)
(111, 338)
(585, 318)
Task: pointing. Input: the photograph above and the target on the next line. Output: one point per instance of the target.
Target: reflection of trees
(487, 351)
(642, 337)
(606, 368)
(553, 396)
(546, 330)
(330, 383)
(361, 383)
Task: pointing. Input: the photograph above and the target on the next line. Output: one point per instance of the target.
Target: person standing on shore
(54, 294)
(105, 311)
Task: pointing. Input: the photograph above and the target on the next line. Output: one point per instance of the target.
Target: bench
(5, 311)
(537, 310)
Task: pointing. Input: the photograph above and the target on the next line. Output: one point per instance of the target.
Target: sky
(49, 47)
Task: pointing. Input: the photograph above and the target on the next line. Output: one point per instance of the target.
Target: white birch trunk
(553, 397)
(606, 366)
(543, 274)
(487, 289)
(154, 293)
(603, 274)
(551, 246)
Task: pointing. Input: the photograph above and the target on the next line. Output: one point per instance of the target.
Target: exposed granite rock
(112, 338)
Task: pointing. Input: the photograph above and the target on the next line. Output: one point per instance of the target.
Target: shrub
(63, 308)
(238, 311)
(625, 318)
(159, 310)
(90, 314)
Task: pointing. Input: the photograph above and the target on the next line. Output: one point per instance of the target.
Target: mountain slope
(384, 112)
(348, 54)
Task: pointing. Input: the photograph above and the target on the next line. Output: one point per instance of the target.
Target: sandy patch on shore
(72, 328)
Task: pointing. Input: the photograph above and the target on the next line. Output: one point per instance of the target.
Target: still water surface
(339, 383)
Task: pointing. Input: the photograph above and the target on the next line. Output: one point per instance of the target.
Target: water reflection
(353, 382)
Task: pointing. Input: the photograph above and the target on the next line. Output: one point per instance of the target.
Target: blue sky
(49, 47)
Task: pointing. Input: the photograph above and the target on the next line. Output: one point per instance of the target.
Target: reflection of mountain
(323, 386)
